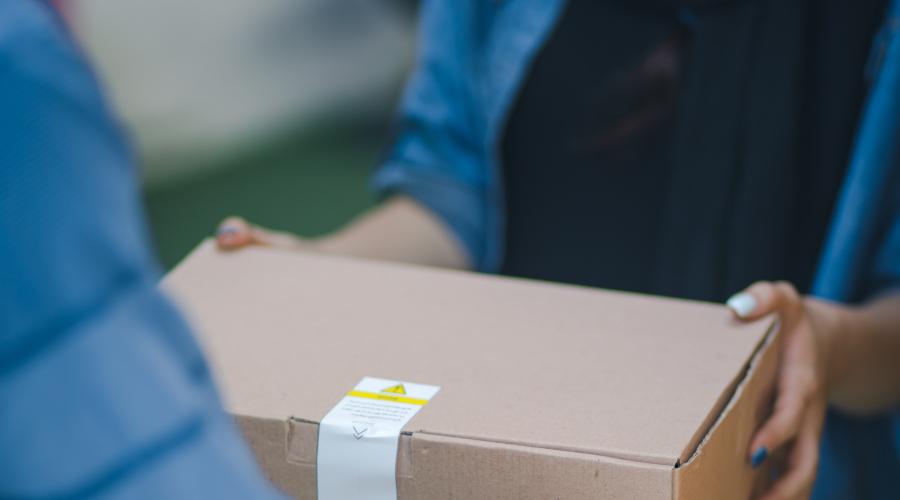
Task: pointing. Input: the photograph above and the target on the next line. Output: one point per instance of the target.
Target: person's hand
(234, 233)
(807, 327)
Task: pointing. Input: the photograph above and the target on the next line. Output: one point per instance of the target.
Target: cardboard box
(547, 391)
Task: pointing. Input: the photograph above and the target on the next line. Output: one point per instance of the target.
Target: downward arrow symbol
(358, 434)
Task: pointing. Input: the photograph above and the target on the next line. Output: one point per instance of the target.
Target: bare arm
(399, 230)
(864, 365)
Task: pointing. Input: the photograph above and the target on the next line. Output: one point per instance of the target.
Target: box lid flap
(554, 366)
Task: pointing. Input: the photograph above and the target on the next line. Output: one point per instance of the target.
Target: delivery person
(103, 391)
(682, 148)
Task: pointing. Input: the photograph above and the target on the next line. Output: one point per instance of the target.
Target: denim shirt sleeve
(861, 257)
(438, 157)
(886, 272)
(104, 392)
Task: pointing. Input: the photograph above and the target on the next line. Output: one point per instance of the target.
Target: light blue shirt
(103, 391)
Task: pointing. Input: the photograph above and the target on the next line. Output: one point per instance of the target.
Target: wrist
(335, 243)
(833, 326)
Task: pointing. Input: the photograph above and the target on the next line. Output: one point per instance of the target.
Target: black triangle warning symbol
(395, 389)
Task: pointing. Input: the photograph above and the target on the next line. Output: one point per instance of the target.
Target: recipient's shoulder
(31, 29)
(44, 75)
(36, 51)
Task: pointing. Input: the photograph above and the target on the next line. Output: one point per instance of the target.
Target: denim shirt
(473, 58)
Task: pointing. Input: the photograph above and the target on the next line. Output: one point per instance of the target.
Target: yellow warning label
(395, 389)
(386, 397)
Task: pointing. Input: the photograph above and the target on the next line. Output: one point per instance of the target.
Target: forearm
(398, 230)
(864, 366)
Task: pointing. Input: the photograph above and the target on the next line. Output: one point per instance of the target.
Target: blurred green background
(274, 110)
(309, 185)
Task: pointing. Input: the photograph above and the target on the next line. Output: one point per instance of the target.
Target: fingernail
(743, 304)
(759, 456)
(226, 230)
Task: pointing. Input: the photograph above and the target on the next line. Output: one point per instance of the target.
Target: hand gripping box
(534, 390)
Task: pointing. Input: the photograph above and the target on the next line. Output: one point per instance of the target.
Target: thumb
(766, 297)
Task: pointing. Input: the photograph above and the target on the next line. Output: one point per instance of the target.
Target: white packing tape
(358, 439)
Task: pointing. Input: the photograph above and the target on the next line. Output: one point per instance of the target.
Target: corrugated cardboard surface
(718, 468)
(540, 382)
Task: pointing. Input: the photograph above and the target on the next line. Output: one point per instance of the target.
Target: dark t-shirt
(686, 153)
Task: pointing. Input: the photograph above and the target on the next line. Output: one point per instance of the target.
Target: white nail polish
(743, 304)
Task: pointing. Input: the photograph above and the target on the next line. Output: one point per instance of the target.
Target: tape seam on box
(358, 440)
